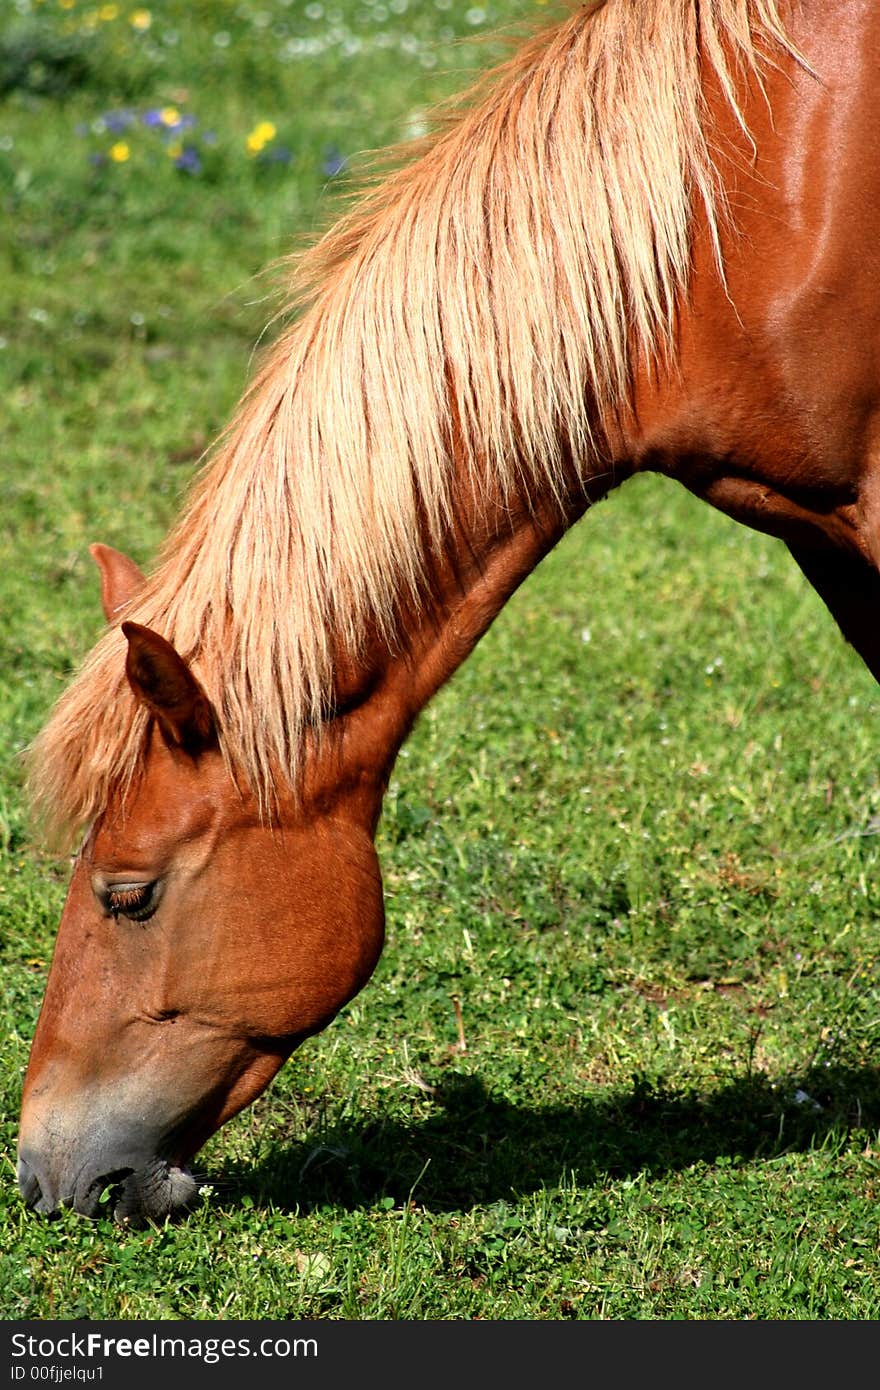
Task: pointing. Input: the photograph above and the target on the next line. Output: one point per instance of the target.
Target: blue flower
(117, 121)
(333, 162)
(276, 154)
(189, 160)
(168, 119)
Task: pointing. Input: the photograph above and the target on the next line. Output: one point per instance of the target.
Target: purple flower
(188, 160)
(117, 121)
(276, 154)
(168, 120)
(333, 162)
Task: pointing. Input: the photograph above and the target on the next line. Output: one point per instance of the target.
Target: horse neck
(493, 548)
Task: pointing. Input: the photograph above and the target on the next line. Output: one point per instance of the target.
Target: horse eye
(136, 901)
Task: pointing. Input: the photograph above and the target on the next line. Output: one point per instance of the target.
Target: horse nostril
(36, 1191)
(91, 1194)
(28, 1183)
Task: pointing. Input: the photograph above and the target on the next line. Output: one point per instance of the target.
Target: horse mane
(495, 290)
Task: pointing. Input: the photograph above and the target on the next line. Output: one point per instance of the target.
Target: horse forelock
(477, 311)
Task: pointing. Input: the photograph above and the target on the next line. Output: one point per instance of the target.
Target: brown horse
(651, 242)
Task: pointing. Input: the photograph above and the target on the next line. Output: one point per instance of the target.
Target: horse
(649, 241)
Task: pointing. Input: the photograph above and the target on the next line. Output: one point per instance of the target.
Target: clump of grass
(43, 64)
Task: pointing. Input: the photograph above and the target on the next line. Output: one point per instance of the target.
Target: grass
(630, 852)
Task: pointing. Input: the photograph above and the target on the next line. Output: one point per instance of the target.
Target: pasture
(618, 1057)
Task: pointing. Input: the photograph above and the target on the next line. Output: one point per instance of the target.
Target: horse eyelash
(128, 900)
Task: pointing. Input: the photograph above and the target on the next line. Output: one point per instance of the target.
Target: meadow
(618, 1059)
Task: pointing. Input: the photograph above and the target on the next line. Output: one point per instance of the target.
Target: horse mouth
(155, 1192)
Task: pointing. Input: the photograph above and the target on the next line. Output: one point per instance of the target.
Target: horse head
(200, 943)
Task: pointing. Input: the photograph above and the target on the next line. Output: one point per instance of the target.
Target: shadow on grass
(477, 1148)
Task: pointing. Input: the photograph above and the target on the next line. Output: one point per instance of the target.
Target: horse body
(217, 917)
(771, 410)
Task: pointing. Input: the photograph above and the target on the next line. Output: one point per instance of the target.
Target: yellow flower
(66, 4)
(108, 12)
(262, 133)
(119, 152)
(140, 20)
(169, 115)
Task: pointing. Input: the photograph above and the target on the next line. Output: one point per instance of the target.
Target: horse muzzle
(139, 1183)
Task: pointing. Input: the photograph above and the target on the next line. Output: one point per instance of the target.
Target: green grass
(635, 838)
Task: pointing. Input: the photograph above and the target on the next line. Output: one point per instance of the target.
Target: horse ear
(121, 579)
(162, 681)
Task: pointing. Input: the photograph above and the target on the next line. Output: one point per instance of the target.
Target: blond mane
(494, 290)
